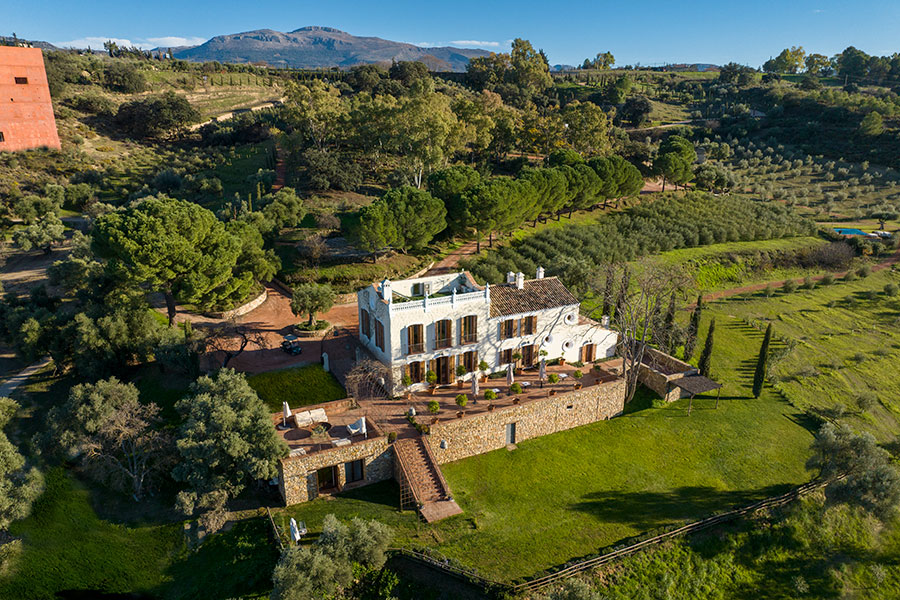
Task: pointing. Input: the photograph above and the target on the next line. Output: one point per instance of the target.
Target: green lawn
(847, 341)
(576, 492)
(299, 387)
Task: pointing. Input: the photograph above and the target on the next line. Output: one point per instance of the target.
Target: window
(470, 361)
(379, 335)
(469, 334)
(354, 470)
(415, 339)
(443, 337)
(510, 433)
(507, 329)
(21, 80)
(416, 371)
(1, 137)
(506, 356)
(529, 325)
(364, 323)
(418, 289)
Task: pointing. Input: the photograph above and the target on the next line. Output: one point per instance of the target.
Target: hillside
(315, 47)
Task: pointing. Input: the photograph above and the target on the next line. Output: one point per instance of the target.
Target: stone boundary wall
(243, 309)
(477, 434)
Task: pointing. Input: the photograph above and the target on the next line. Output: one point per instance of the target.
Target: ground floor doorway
(327, 479)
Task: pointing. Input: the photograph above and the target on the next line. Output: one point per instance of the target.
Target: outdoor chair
(318, 415)
(358, 427)
(303, 419)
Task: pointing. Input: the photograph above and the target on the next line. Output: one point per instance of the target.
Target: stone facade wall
(668, 370)
(484, 432)
(297, 474)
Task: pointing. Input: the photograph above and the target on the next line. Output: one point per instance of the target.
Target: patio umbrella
(542, 370)
(474, 387)
(510, 379)
(295, 531)
(286, 411)
(290, 337)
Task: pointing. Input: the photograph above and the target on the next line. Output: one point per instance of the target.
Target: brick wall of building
(477, 434)
(297, 474)
(26, 112)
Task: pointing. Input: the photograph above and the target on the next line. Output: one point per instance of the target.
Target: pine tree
(693, 329)
(706, 355)
(759, 377)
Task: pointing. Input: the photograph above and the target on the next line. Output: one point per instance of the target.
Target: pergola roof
(696, 384)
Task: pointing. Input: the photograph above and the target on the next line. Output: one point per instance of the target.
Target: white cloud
(174, 40)
(476, 43)
(96, 42)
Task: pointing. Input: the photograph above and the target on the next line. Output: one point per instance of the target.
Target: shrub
(789, 286)
(92, 103)
(407, 380)
(434, 407)
(827, 279)
(490, 395)
(866, 401)
(769, 291)
(431, 377)
(858, 357)
(461, 401)
(891, 289)
(515, 388)
(460, 371)
(483, 366)
(850, 276)
(553, 378)
(392, 437)
(864, 271)
(577, 374)
(808, 283)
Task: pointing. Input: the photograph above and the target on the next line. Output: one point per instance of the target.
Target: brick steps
(426, 479)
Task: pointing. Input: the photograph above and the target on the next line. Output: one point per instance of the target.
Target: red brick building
(26, 113)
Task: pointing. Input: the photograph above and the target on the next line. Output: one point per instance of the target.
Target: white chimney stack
(520, 280)
(386, 294)
(540, 272)
(510, 277)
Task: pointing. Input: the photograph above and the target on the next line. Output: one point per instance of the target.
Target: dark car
(293, 348)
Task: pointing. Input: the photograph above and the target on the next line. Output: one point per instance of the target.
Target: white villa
(437, 323)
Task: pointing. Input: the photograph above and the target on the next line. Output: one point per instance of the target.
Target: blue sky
(649, 32)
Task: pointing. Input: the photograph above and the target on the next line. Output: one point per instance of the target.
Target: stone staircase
(422, 475)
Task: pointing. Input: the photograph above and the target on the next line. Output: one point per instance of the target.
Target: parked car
(293, 347)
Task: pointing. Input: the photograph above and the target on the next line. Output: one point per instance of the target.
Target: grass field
(846, 342)
(575, 492)
(298, 387)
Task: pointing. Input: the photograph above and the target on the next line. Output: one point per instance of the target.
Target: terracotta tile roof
(536, 294)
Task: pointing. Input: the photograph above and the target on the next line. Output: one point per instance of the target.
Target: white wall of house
(559, 331)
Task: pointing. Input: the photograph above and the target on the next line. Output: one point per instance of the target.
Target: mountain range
(320, 47)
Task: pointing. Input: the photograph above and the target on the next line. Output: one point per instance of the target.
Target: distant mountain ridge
(319, 47)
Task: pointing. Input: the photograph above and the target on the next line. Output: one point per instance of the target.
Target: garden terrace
(320, 436)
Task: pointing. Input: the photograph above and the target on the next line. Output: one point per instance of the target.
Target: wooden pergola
(698, 384)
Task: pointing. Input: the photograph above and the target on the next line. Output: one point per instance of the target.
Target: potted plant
(490, 395)
(460, 373)
(483, 367)
(431, 378)
(516, 358)
(578, 375)
(515, 388)
(434, 407)
(490, 408)
(562, 360)
(462, 400)
(553, 378)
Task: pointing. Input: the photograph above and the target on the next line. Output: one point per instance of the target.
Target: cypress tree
(668, 328)
(693, 329)
(706, 355)
(759, 377)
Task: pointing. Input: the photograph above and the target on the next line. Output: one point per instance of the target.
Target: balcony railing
(440, 343)
(469, 338)
(416, 348)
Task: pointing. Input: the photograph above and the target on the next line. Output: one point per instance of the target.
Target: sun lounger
(341, 442)
(318, 415)
(303, 419)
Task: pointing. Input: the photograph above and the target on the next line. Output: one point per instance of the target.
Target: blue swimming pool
(850, 231)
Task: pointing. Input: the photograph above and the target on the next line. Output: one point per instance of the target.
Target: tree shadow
(650, 510)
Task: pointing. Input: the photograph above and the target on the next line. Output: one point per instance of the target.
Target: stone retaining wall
(242, 309)
(461, 438)
(665, 369)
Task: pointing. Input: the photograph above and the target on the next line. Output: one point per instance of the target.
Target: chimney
(540, 272)
(510, 277)
(386, 294)
(520, 280)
